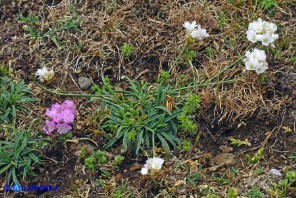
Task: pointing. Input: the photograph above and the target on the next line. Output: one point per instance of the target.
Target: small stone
(225, 149)
(225, 158)
(84, 82)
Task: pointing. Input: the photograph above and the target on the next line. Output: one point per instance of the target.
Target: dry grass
(92, 47)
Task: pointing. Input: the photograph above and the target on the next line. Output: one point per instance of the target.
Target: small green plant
(122, 191)
(256, 158)
(207, 191)
(19, 154)
(13, 96)
(68, 24)
(89, 163)
(31, 22)
(127, 50)
(65, 136)
(226, 178)
(187, 123)
(112, 5)
(193, 178)
(210, 53)
(268, 5)
(118, 160)
(239, 143)
(97, 157)
(182, 80)
(100, 182)
(293, 157)
(30, 19)
(163, 78)
(191, 55)
(283, 187)
(232, 192)
(192, 104)
(139, 116)
(258, 171)
(3, 71)
(96, 89)
(181, 165)
(255, 192)
(185, 146)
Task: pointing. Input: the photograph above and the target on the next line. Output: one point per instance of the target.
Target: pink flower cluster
(61, 117)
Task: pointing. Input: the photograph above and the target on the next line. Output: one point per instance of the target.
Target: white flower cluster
(256, 60)
(196, 33)
(262, 31)
(45, 74)
(152, 163)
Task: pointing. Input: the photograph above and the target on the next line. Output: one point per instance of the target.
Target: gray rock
(84, 82)
(225, 158)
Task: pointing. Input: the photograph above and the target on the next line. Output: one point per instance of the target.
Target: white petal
(259, 37)
(199, 33)
(260, 54)
(149, 163)
(251, 36)
(157, 163)
(144, 171)
(189, 26)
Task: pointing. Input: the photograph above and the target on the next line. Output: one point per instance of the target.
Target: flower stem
(64, 94)
(225, 69)
(209, 81)
(153, 145)
(206, 84)
(178, 57)
(83, 138)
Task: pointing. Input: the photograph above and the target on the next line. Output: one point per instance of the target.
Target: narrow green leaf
(164, 109)
(2, 170)
(14, 178)
(147, 139)
(4, 154)
(139, 140)
(34, 158)
(124, 142)
(111, 142)
(163, 141)
(172, 139)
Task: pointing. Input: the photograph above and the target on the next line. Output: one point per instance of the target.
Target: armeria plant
(61, 116)
(12, 97)
(138, 117)
(19, 154)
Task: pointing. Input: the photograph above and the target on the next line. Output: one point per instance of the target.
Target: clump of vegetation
(96, 158)
(139, 116)
(186, 118)
(3, 71)
(118, 160)
(127, 50)
(255, 193)
(185, 145)
(19, 154)
(257, 157)
(281, 189)
(12, 98)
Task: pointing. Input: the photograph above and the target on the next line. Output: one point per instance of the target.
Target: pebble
(84, 82)
(225, 158)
